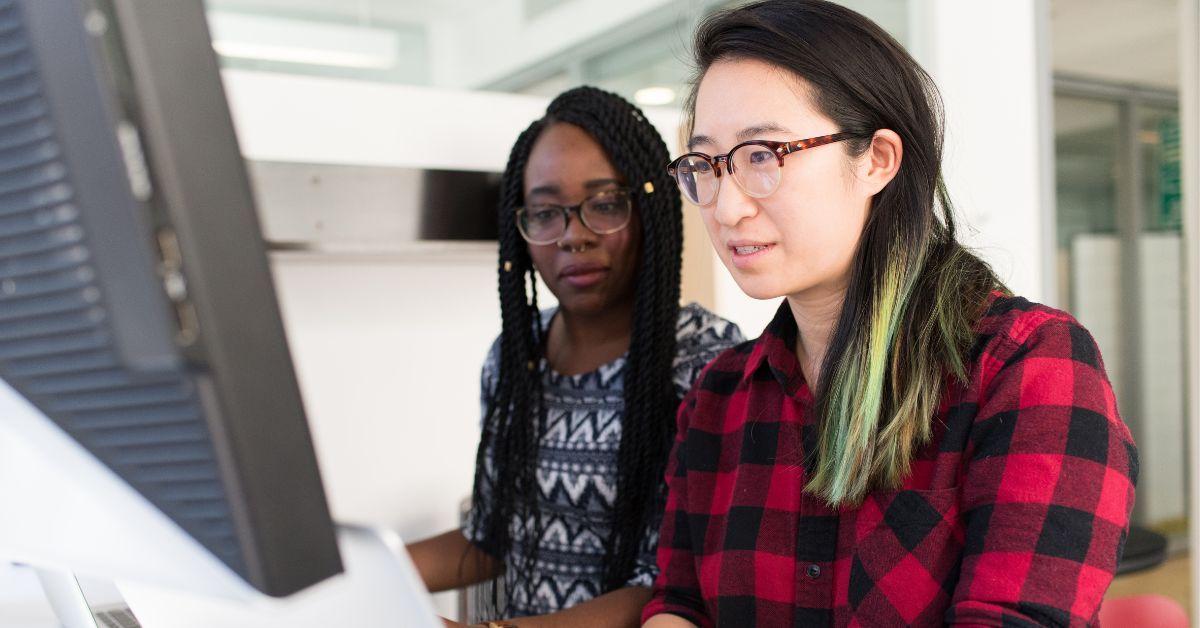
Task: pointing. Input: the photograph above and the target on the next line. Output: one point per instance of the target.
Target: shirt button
(814, 571)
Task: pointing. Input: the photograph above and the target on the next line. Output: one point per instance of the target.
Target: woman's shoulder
(1017, 321)
(1039, 382)
(701, 331)
(1013, 329)
(700, 336)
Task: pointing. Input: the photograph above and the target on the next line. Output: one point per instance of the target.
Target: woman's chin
(755, 288)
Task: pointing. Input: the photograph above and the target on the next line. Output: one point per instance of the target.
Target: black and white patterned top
(577, 469)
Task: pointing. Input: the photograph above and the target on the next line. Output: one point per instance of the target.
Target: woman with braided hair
(579, 401)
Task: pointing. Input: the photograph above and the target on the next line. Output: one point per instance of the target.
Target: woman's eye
(760, 157)
(542, 216)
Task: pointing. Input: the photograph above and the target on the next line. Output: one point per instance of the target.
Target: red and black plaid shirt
(1015, 514)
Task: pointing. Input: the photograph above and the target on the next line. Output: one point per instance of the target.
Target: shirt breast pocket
(907, 551)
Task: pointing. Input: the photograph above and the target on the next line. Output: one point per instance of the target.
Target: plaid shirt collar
(775, 350)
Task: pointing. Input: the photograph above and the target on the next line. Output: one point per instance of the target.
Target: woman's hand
(668, 621)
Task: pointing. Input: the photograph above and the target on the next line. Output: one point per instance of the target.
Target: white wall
(387, 352)
(281, 117)
(991, 63)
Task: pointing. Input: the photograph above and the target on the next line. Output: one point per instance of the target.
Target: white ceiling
(363, 11)
(1123, 41)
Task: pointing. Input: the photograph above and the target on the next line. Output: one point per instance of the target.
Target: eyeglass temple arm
(813, 142)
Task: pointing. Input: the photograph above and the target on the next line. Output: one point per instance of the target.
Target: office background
(1071, 154)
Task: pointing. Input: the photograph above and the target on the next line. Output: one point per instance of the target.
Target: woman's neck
(582, 342)
(816, 312)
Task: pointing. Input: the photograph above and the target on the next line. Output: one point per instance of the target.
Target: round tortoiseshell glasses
(756, 166)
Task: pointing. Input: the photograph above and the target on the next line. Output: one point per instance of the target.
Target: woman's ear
(881, 161)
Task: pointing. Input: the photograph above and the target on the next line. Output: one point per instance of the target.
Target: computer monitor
(138, 320)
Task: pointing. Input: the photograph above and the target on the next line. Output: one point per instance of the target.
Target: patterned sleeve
(700, 337)
(473, 523)
(676, 589)
(1049, 485)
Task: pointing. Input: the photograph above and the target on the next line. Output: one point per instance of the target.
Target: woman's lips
(744, 254)
(583, 275)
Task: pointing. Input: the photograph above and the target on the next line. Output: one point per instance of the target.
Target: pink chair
(1139, 611)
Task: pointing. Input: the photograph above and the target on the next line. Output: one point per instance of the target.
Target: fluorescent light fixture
(652, 96)
(287, 54)
(264, 38)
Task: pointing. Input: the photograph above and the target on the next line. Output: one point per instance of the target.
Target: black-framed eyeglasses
(603, 213)
(756, 166)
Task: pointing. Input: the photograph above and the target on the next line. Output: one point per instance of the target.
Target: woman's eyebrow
(700, 140)
(599, 183)
(551, 189)
(747, 133)
(751, 132)
(546, 190)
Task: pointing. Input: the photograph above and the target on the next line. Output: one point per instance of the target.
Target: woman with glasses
(579, 400)
(907, 443)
